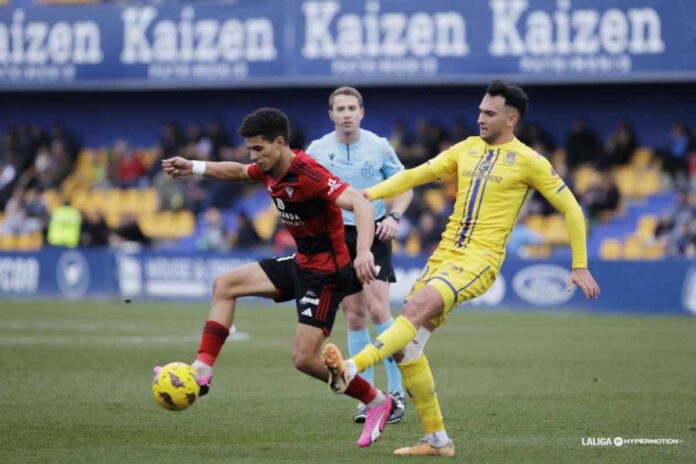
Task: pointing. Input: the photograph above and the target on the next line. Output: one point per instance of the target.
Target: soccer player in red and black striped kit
(309, 199)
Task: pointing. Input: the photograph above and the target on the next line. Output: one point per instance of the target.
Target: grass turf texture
(515, 387)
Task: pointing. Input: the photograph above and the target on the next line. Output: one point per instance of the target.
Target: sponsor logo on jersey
(510, 158)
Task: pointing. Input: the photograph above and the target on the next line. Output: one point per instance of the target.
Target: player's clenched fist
(177, 166)
(364, 265)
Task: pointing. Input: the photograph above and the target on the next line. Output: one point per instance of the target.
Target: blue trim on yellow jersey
(451, 287)
(483, 195)
(561, 188)
(472, 202)
(471, 181)
(473, 280)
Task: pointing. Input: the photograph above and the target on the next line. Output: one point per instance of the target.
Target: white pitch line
(107, 340)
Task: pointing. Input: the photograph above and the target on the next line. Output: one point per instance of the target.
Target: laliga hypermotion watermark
(620, 441)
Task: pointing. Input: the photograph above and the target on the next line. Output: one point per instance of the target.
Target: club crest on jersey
(367, 170)
(510, 158)
(289, 191)
(332, 156)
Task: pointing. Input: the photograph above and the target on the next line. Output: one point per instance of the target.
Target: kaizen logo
(72, 273)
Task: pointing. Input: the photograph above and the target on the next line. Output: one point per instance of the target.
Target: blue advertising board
(665, 287)
(319, 42)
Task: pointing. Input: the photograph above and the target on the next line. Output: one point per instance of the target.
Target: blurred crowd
(35, 159)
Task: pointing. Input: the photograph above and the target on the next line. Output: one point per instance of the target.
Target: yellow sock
(394, 339)
(420, 385)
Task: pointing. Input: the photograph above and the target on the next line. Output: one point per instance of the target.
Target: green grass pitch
(514, 387)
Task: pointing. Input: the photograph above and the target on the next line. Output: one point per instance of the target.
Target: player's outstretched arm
(402, 181)
(224, 170)
(364, 263)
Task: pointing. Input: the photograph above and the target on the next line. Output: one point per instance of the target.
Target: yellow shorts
(456, 280)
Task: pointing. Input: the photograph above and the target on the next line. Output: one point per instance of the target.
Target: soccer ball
(175, 387)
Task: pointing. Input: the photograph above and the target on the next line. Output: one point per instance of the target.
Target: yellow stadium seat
(642, 157)
(265, 223)
(7, 242)
(185, 223)
(654, 251)
(435, 199)
(536, 222)
(52, 199)
(634, 247)
(611, 249)
(555, 231)
(646, 226)
(28, 242)
(413, 245)
(585, 176)
(147, 201)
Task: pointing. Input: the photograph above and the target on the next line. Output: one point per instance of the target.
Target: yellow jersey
(493, 184)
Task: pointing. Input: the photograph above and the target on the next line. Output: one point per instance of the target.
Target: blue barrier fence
(627, 286)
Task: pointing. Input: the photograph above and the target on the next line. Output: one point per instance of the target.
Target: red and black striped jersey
(306, 199)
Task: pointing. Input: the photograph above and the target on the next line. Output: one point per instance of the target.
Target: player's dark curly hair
(267, 123)
(514, 95)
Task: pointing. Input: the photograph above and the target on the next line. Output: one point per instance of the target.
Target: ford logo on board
(542, 284)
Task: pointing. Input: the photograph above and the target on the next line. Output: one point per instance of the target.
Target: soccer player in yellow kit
(496, 174)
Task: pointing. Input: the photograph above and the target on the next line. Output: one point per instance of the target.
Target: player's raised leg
(377, 296)
(248, 280)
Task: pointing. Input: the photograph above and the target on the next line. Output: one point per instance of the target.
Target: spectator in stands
(602, 198)
(95, 232)
(212, 234)
(171, 143)
(582, 145)
(53, 164)
(429, 230)
(129, 233)
(536, 137)
(283, 243)
(64, 226)
(621, 145)
(18, 220)
(219, 139)
(676, 156)
(130, 170)
(246, 236)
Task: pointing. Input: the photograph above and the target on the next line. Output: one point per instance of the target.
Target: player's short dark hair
(353, 92)
(267, 123)
(514, 95)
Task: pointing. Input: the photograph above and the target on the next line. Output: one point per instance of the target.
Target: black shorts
(382, 252)
(316, 295)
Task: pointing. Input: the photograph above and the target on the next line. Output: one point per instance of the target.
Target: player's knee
(225, 287)
(419, 309)
(356, 319)
(302, 361)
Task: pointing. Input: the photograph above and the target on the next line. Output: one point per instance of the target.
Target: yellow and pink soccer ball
(174, 386)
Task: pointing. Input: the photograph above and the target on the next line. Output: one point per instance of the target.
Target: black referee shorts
(382, 252)
(316, 295)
